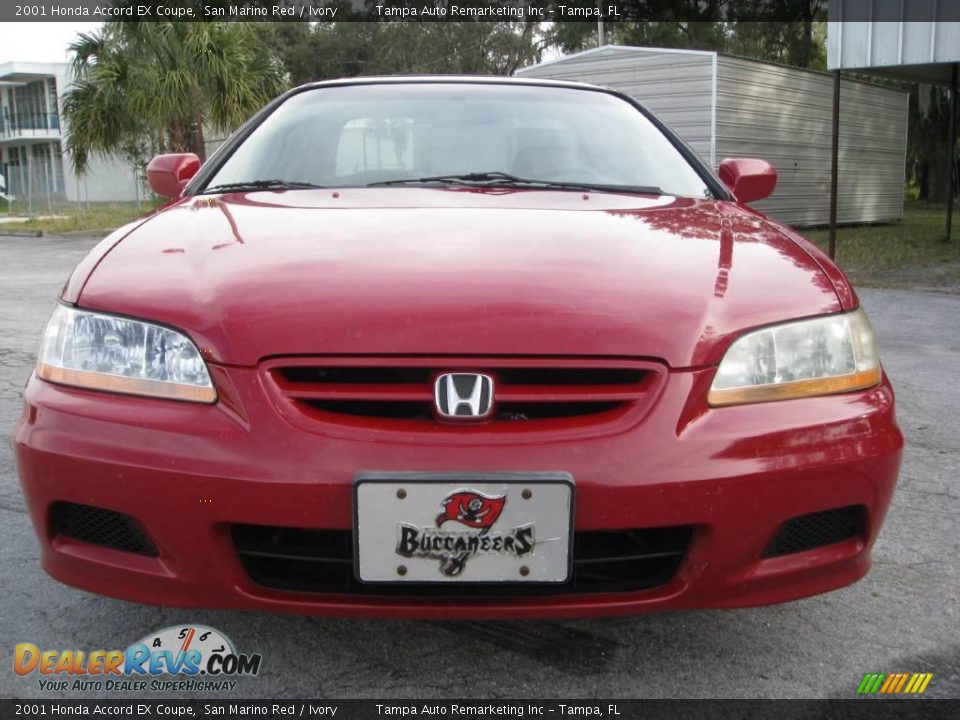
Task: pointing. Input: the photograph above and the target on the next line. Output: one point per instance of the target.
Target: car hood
(458, 272)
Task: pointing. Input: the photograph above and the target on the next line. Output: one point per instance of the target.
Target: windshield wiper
(250, 185)
(455, 179)
(499, 179)
(458, 179)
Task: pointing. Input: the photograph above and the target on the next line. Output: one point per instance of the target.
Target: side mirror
(747, 178)
(167, 175)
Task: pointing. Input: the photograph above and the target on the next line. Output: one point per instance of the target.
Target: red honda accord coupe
(457, 348)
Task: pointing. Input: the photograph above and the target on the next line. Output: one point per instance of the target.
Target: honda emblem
(464, 395)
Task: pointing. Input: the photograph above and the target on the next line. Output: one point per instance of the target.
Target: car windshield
(397, 134)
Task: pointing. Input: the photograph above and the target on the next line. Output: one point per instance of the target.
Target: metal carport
(916, 41)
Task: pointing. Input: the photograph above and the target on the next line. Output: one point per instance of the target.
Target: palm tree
(158, 85)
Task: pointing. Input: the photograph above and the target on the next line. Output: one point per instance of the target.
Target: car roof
(459, 79)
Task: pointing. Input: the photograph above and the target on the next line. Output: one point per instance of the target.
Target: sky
(48, 41)
(39, 41)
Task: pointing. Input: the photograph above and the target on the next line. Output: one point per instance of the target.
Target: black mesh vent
(100, 527)
(322, 561)
(806, 532)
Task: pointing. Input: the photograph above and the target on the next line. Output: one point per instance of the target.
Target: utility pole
(834, 165)
(601, 35)
(951, 149)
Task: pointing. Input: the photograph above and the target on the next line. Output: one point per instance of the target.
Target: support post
(601, 34)
(951, 149)
(834, 163)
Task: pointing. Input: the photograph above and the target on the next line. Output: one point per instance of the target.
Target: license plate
(464, 527)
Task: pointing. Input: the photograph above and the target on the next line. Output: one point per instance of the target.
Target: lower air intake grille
(806, 532)
(322, 561)
(100, 527)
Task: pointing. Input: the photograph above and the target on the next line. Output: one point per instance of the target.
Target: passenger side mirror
(748, 179)
(167, 175)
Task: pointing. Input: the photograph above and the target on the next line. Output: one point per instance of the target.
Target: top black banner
(610, 11)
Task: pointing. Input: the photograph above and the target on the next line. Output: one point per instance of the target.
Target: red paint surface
(464, 273)
(412, 271)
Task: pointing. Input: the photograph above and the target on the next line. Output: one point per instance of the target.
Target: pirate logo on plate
(453, 547)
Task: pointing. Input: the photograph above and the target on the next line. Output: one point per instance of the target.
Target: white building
(33, 154)
(724, 106)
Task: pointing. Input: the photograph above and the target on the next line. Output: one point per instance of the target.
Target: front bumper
(188, 473)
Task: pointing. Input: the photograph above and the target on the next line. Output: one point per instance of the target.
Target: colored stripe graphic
(894, 683)
(901, 682)
(889, 683)
(870, 683)
(865, 684)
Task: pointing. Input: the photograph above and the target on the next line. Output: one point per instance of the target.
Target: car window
(357, 135)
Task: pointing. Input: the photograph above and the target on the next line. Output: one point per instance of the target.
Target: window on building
(30, 107)
(52, 105)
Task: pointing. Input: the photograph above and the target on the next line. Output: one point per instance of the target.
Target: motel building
(33, 155)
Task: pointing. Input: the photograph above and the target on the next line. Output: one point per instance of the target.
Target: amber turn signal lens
(126, 386)
(802, 388)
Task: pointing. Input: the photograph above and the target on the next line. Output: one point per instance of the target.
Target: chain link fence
(38, 186)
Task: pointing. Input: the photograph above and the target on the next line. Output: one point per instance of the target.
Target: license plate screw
(401, 493)
(401, 570)
(524, 570)
(526, 494)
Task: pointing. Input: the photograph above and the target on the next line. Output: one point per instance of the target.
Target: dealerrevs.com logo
(199, 657)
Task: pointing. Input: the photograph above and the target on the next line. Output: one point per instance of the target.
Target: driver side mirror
(748, 179)
(167, 175)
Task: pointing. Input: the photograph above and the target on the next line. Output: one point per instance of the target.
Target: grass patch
(93, 216)
(876, 254)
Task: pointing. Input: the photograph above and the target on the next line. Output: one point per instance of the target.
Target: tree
(160, 85)
(928, 146)
(753, 28)
(757, 30)
(692, 24)
(349, 49)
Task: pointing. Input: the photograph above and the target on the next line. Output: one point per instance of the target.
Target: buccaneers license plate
(429, 528)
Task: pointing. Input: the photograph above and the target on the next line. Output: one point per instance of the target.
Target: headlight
(825, 355)
(116, 354)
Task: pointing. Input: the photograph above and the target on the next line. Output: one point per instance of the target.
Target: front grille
(806, 532)
(100, 527)
(321, 561)
(401, 390)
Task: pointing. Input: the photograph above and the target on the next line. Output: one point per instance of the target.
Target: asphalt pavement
(902, 617)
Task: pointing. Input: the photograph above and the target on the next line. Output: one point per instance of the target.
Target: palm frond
(137, 82)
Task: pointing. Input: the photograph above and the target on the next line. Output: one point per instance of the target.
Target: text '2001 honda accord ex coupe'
(448, 347)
